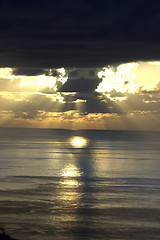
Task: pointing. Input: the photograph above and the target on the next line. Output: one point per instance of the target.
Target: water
(52, 188)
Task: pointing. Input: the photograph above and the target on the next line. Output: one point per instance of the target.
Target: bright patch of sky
(130, 77)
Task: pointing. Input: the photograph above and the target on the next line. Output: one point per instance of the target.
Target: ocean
(86, 184)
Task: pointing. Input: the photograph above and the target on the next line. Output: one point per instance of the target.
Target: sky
(80, 64)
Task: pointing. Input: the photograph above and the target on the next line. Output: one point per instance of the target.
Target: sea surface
(94, 184)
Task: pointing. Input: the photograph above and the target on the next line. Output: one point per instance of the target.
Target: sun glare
(78, 142)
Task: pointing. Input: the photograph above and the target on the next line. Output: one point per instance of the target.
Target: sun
(78, 142)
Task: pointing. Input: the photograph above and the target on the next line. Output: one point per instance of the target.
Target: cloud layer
(50, 34)
(114, 97)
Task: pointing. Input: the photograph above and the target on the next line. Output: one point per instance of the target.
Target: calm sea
(102, 185)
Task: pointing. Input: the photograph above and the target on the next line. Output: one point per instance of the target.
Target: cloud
(28, 71)
(49, 34)
(29, 105)
(140, 102)
(77, 89)
(80, 85)
(10, 84)
(95, 110)
(64, 97)
(24, 71)
(80, 80)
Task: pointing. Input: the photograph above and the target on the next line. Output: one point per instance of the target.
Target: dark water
(52, 188)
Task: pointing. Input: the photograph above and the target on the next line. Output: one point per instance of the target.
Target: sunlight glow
(61, 71)
(38, 81)
(157, 63)
(121, 79)
(78, 142)
(6, 72)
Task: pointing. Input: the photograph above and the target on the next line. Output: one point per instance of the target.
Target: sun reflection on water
(78, 142)
(69, 188)
(71, 171)
(69, 195)
(70, 174)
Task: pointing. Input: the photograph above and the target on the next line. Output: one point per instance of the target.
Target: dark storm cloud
(90, 103)
(82, 72)
(83, 33)
(28, 71)
(35, 72)
(80, 80)
(80, 85)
